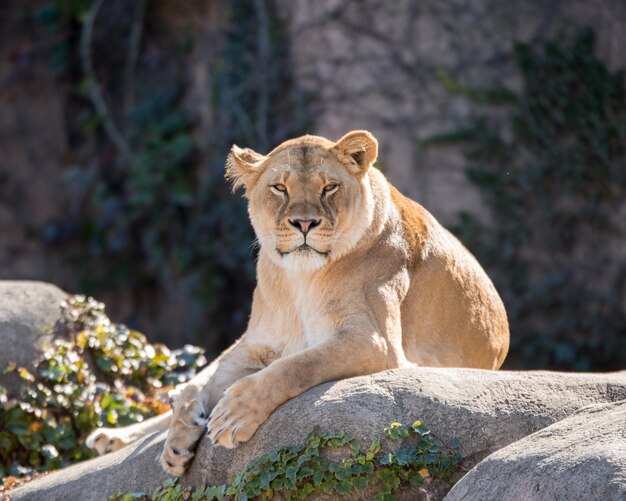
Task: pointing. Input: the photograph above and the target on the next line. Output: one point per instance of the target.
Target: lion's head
(310, 201)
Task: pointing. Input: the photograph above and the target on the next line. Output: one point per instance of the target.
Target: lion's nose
(305, 225)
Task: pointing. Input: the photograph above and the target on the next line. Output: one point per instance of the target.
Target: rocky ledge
(523, 435)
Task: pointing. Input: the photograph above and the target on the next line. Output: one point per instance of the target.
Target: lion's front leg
(105, 440)
(240, 412)
(183, 436)
(193, 404)
(249, 402)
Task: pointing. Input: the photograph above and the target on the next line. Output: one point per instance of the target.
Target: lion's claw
(183, 437)
(237, 415)
(105, 440)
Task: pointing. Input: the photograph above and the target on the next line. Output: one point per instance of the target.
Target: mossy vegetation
(96, 373)
(413, 457)
(553, 175)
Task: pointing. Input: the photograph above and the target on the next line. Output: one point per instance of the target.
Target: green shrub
(97, 373)
(298, 471)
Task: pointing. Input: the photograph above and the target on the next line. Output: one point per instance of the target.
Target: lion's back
(452, 314)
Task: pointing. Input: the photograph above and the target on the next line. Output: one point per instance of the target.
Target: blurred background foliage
(152, 104)
(149, 208)
(552, 172)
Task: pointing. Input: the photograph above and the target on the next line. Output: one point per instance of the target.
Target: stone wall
(373, 65)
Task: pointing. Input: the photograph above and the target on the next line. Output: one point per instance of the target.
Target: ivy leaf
(343, 487)
(277, 484)
(306, 472)
(404, 456)
(318, 477)
(373, 449)
(355, 449)
(265, 480)
(360, 483)
(415, 478)
(342, 474)
(291, 474)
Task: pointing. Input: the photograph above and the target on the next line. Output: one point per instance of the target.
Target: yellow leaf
(81, 339)
(158, 406)
(9, 482)
(424, 473)
(24, 374)
(35, 427)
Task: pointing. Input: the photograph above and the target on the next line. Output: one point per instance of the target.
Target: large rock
(580, 457)
(28, 314)
(486, 410)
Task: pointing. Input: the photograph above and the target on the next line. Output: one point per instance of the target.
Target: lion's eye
(330, 188)
(281, 188)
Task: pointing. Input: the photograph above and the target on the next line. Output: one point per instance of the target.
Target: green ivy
(96, 373)
(296, 472)
(165, 213)
(553, 176)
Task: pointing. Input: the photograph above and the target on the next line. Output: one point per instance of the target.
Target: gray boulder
(580, 457)
(486, 410)
(28, 314)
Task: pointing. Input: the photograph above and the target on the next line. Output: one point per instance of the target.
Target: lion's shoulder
(415, 221)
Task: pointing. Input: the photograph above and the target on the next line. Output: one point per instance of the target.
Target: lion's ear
(243, 166)
(357, 150)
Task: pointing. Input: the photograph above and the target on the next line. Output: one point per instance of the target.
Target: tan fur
(382, 285)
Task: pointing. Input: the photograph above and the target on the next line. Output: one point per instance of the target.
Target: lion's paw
(183, 436)
(238, 415)
(105, 440)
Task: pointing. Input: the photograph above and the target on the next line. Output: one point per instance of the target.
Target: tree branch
(134, 44)
(95, 94)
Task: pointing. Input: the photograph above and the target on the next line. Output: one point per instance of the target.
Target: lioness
(353, 278)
